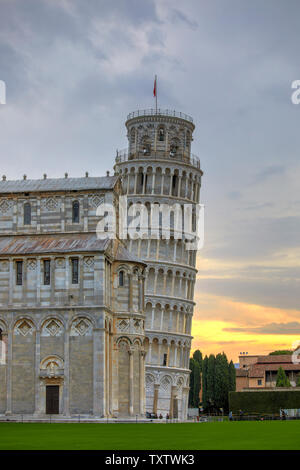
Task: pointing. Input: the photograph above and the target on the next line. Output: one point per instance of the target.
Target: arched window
(161, 134)
(27, 213)
(75, 212)
(121, 278)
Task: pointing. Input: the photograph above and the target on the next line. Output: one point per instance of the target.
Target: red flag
(154, 88)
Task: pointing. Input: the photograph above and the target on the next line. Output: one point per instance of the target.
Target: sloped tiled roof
(57, 184)
(281, 358)
(27, 244)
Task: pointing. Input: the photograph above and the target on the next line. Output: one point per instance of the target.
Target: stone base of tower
(167, 391)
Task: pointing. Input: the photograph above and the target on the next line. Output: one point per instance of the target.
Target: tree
(232, 377)
(196, 398)
(197, 356)
(210, 387)
(221, 385)
(204, 382)
(281, 352)
(191, 392)
(282, 379)
(298, 382)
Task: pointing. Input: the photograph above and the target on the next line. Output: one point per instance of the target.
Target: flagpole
(155, 94)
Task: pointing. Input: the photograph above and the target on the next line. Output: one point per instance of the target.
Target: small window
(46, 272)
(165, 359)
(75, 212)
(259, 382)
(19, 273)
(121, 278)
(161, 135)
(27, 213)
(75, 271)
(173, 150)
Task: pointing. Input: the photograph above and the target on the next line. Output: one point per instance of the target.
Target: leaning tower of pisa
(158, 168)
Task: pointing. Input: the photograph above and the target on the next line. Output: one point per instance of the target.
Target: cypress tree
(282, 379)
(211, 365)
(191, 391)
(196, 384)
(232, 375)
(204, 382)
(221, 381)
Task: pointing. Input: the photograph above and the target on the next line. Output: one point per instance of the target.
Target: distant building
(261, 371)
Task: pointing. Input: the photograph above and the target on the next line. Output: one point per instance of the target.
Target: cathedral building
(99, 326)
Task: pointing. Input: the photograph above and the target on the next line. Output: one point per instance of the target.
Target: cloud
(291, 328)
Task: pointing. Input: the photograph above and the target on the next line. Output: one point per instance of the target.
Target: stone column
(85, 213)
(66, 391)
(162, 183)
(142, 382)
(81, 292)
(63, 214)
(162, 317)
(158, 353)
(155, 398)
(153, 183)
(173, 396)
(37, 409)
(52, 279)
(38, 281)
(99, 375)
(168, 354)
(184, 402)
(9, 372)
(175, 355)
(130, 293)
(135, 182)
(150, 352)
(11, 281)
(131, 391)
(152, 318)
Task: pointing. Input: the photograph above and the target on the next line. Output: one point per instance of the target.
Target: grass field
(235, 435)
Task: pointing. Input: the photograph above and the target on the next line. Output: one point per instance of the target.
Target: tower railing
(159, 112)
(191, 159)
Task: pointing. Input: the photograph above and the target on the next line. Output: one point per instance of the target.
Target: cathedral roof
(60, 243)
(57, 184)
(122, 254)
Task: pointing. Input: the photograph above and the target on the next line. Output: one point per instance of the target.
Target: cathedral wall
(2, 388)
(81, 374)
(51, 213)
(23, 373)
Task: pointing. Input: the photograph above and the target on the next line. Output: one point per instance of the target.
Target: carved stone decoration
(31, 264)
(50, 204)
(123, 325)
(24, 328)
(60, 262)
(52, 327)
(5, 206)
(81, 327)
(165, 383)
(96, 200)
(149, 382)
(51, 366)
(137, 326)
(4, 266)
(88, 262)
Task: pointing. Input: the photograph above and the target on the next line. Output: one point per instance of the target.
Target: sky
(73, 71)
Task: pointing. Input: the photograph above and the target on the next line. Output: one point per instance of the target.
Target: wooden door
(52, 399)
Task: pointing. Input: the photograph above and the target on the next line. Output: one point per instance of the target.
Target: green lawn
(234, 435)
